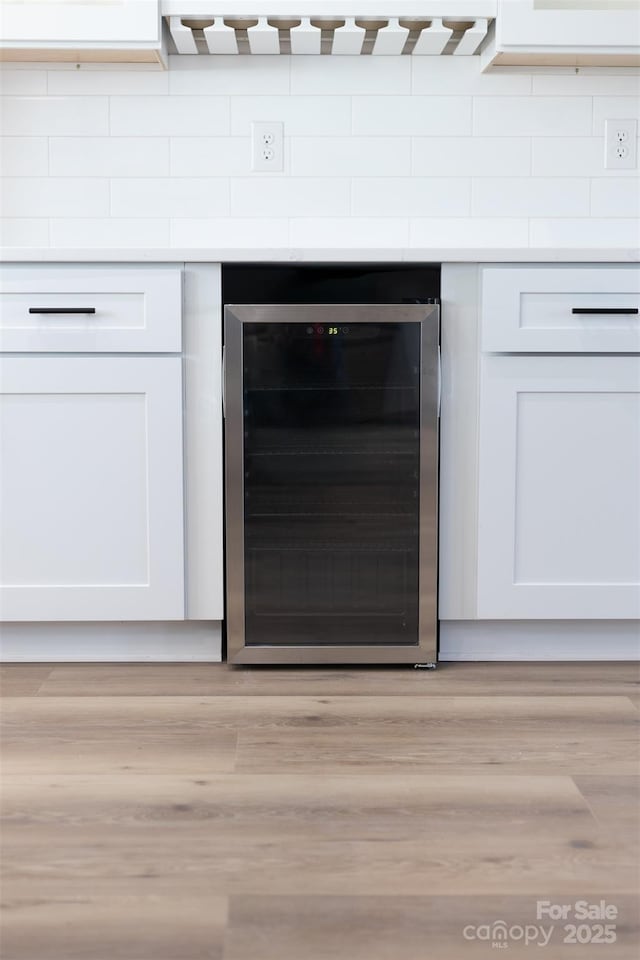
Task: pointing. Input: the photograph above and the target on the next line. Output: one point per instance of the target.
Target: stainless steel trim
(223, 380)
(234, 485)
(429, 446)
(429, 317)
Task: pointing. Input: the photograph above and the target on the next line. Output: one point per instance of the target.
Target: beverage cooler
(331, 435)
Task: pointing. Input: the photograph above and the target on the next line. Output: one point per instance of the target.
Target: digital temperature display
(320, 331)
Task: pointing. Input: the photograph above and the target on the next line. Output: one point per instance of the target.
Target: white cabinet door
(91, 505)
(559, 488)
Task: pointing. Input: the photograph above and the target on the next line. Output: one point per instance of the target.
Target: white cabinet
(571, 32)
(82, 30)
(91, 443)
(91, 488)
(559, 488)
(559, 443)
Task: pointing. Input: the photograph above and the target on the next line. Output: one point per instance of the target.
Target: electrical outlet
(620, 144)
(267, 146)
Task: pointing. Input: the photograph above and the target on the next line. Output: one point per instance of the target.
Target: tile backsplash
(394, 152)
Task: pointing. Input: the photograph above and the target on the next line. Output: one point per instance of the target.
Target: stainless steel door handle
(223, 375)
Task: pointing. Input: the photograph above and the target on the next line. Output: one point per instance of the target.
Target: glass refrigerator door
(331, 461)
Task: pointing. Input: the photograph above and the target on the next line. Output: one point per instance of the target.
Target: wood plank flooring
(179, 812)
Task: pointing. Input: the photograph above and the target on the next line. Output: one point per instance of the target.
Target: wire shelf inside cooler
(365, 440)
(315, 582)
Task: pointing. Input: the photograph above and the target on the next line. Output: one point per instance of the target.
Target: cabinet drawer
(90, 310)
(560, 309)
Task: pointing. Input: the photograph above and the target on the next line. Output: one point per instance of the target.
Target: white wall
(386, 152)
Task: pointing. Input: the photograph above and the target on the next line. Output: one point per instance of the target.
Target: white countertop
(352, 254)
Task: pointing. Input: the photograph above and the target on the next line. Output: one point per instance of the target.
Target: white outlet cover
(267, 146)
(620, 144)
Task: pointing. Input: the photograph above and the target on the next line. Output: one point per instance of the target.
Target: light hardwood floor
(175, 812)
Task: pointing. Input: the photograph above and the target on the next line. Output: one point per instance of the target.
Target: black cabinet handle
(62, 309)
(607, 310)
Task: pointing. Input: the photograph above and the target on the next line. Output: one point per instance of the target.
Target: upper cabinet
(518, 32)
(82, 30)
(570, 32)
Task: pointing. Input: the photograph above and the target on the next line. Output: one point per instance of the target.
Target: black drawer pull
(62, 309)
(608, 310)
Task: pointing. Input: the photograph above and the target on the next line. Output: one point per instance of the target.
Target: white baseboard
(201, 641)
(539, 640)
(192, 640)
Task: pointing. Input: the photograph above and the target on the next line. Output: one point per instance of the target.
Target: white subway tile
(109, 234)
(348, 75)
(614, 108)
(247, 233)
(54, 116)
(609, 233)
(24, 82)
(597, 84)
(297, 197)
(210, 156)
(228, 75)
(406, 197)
(169, 116)
(419, 116)
(24, 157)
(529, 197)
(54, 197)
(166, 197)
(29, 232)
(471, 156)
(615, 198)
(108, 82)
(468, 232)
(572, 157)
(350, 156)
(109, 156)
(302, 116)
(344, 232)
(532, 116)
(462, 75)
